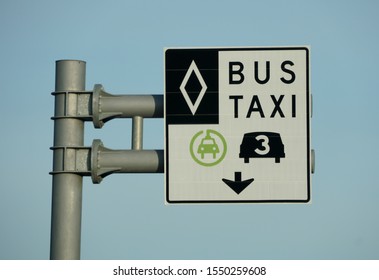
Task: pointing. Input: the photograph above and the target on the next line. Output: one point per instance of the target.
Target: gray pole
(137, 133)
(67, 187)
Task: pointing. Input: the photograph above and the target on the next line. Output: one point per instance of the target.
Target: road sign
(237, 125)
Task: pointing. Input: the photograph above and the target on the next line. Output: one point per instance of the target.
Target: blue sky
(123, 41)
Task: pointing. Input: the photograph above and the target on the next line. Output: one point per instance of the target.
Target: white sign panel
(237, 125)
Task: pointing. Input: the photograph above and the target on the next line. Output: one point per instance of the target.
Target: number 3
(265, 149)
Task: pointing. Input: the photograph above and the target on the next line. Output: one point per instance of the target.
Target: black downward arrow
(237, 185)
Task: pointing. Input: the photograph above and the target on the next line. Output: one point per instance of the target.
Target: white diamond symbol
(193, 68)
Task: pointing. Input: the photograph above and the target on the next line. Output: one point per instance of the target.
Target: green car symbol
(208, 146)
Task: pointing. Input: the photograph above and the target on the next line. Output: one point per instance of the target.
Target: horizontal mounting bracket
(98, 161)
(99, 106)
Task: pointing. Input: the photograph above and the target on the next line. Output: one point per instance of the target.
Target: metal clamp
(74, 160)
(73, 104)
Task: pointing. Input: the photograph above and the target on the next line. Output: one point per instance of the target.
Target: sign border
(308, 121)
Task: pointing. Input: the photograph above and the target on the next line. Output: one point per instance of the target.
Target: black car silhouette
(262, 145)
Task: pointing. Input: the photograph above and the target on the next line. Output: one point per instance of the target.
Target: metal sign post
(67, 187)
(72, 161)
